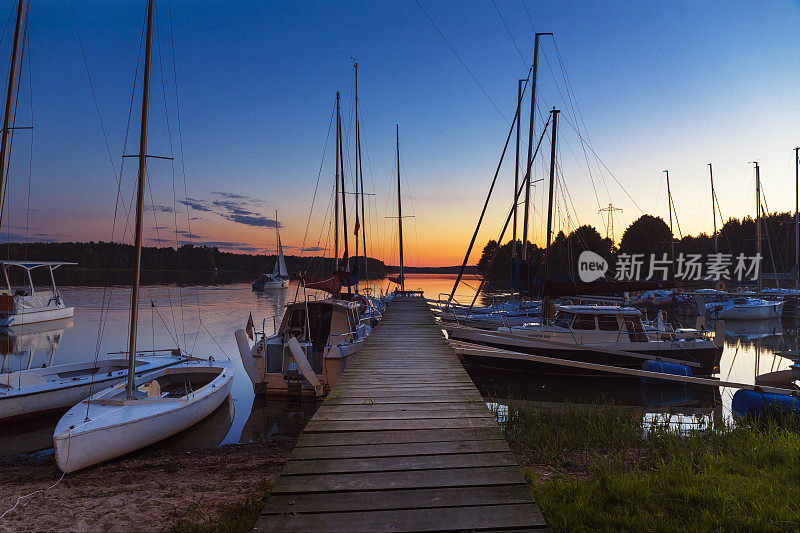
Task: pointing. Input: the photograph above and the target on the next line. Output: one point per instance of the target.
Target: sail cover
(396, 279)
(330, 284)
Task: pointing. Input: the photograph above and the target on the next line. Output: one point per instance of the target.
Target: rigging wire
(463, 64)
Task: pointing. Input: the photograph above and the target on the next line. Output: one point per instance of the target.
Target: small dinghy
(57, 388)
(148, 407)
(165, 402)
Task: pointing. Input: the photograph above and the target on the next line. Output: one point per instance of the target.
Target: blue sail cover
(350, 278)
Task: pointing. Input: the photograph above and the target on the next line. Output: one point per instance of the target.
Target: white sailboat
(279, 279)
(150, 407)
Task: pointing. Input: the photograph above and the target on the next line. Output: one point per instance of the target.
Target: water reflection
(31, 345)
(271, 416)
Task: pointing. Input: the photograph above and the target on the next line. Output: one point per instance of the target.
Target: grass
(596, 468)
(238, 517)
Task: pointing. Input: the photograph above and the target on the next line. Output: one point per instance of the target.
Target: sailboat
(23, 305)
(279, 279)
(316, 338)
(744, 307)
(53, 388)
(148, 407)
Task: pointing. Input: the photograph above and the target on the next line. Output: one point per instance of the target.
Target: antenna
(610, 225)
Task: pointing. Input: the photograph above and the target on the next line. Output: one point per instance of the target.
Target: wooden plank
(452, 477)
(377, 407)
(405, 449)
(474, 518)
(330, 415)
(400, 463)
(397, 437)
(398, 499)
(338, 426)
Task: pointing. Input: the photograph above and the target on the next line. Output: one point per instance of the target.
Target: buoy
(749, 403)
(661, 367)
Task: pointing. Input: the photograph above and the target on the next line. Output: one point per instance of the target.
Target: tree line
(648, 235)
(160, 261)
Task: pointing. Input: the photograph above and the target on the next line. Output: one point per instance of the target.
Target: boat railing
(351, 334)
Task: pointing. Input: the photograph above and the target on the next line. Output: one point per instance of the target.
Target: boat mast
(671, 235)
(361, 179)
(399, 211)
(346, 255)
(514, 267)
(137, 255)
(713, 207)
(527, 184)
(796, 214)
(9, 112)
(550, 194)
(277, 239)
(758, 224)
(336, 193)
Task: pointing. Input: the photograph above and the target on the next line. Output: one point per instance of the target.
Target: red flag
(357, 226)
(251, 327)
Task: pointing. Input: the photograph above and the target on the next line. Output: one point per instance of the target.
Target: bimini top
(333, 302)
(599, 310)
(30, 265)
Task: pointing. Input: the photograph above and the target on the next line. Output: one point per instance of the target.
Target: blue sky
(670, 85)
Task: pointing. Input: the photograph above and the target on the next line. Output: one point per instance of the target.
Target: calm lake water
(201, 321)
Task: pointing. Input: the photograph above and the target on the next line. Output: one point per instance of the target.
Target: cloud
(196, 218)
(258, 221)
(197, 205)
(232, 207)
(313, 249)
(234, 196)
(189, 235)
(160, 227)
(17, 237)
(159, 208)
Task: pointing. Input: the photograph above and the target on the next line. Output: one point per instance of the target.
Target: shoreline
(155, 489)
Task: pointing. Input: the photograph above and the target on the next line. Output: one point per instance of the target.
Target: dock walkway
(404, 442)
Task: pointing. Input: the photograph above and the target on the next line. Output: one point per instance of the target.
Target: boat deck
(404, 442)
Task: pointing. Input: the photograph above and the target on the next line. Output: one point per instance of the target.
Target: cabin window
(564, 320)
(607, 323)
(583, 322)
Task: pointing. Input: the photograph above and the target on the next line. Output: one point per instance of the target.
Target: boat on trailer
(310, 349)
(608, 335)
(24, 304)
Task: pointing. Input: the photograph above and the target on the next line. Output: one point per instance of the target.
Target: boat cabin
(607, 318)
(320, 323)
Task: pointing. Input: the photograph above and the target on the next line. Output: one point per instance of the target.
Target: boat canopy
(599, 310)
(30, 265)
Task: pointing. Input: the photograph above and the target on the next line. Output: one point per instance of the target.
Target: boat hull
(30, 316)
(706, 354)
(20, 402)
(118, 429)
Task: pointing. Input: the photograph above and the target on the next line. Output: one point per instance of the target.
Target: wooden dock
(404, 442)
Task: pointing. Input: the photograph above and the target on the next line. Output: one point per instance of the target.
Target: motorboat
(25, 304)
(310, 349)
(744, 308)
(609, 335)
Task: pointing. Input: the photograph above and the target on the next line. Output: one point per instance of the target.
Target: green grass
(239, 517)
(595, 468)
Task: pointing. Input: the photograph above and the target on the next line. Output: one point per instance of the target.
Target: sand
(151, 490)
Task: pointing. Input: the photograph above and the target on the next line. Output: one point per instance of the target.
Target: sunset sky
(648, 86)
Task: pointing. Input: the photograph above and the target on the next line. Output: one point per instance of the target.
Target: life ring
(362, 302)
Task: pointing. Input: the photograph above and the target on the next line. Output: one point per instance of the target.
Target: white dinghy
(25, 304)
(165, 402)
(150, 407)
(56, 388)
